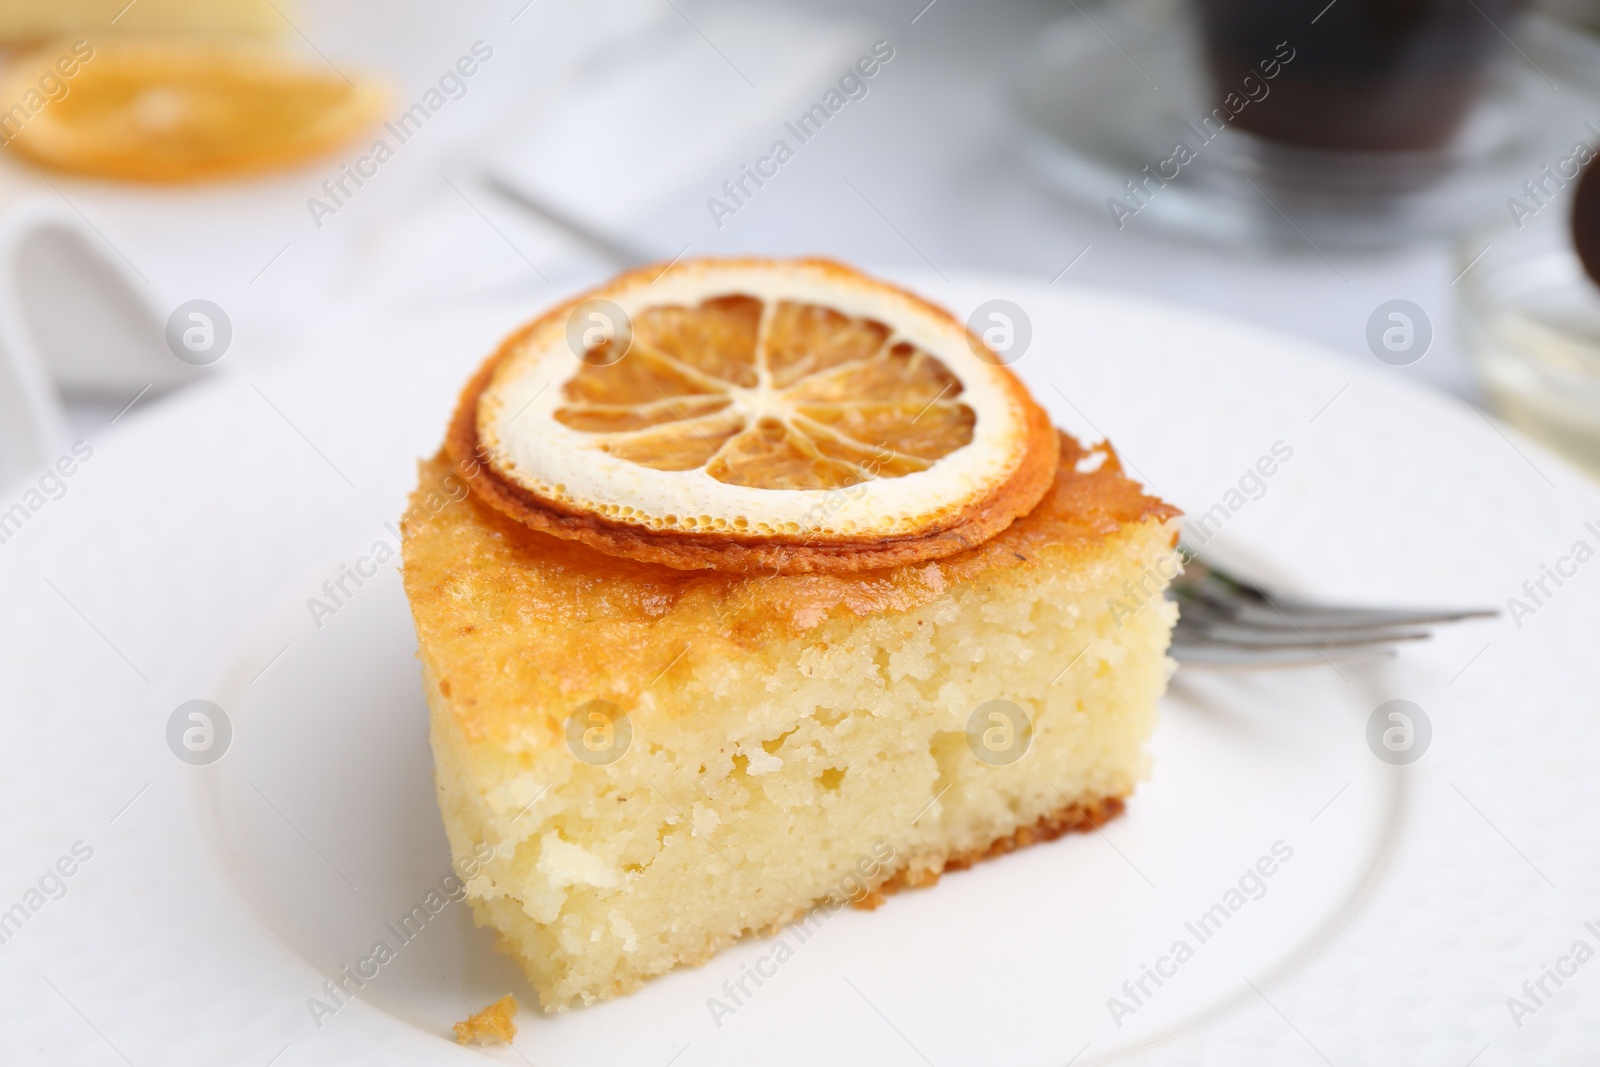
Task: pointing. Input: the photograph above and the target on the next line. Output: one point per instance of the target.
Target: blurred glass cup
(1530, 320)
(1365, 75)
(1349, 123)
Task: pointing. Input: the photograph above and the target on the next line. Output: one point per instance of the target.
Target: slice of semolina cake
(666, 760)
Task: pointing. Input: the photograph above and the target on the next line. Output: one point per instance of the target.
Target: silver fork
(1226, 622)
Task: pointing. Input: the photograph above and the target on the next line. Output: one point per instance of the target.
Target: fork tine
(1248, 603)
(1341, 617)
(1253, 637)
(1227, 622)
(1235, 657)
(1332, 619)
(1212, 617)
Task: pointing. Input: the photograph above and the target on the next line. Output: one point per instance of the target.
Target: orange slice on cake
(754, 415)
(182, 109)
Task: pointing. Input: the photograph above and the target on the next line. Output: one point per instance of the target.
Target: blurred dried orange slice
(788, 416)
(182, 109)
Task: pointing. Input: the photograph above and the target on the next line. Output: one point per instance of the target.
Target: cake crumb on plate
(492, 1024)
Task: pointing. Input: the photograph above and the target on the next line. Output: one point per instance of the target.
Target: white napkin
(662, 109)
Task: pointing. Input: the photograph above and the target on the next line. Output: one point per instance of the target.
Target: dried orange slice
(749, 415)
(181, 109)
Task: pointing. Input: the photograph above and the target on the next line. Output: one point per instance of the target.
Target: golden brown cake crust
(1079, 817)
(483, 587)
(766, 554)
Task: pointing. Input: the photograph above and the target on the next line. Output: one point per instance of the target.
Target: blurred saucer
(1104, 98)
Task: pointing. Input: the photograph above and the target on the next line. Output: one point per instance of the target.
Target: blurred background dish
(1262, 130)
(1358, 76)
(1530, 317)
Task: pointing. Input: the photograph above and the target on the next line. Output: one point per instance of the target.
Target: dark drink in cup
(1365, 75)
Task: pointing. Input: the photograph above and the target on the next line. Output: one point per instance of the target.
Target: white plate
(178, 563)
